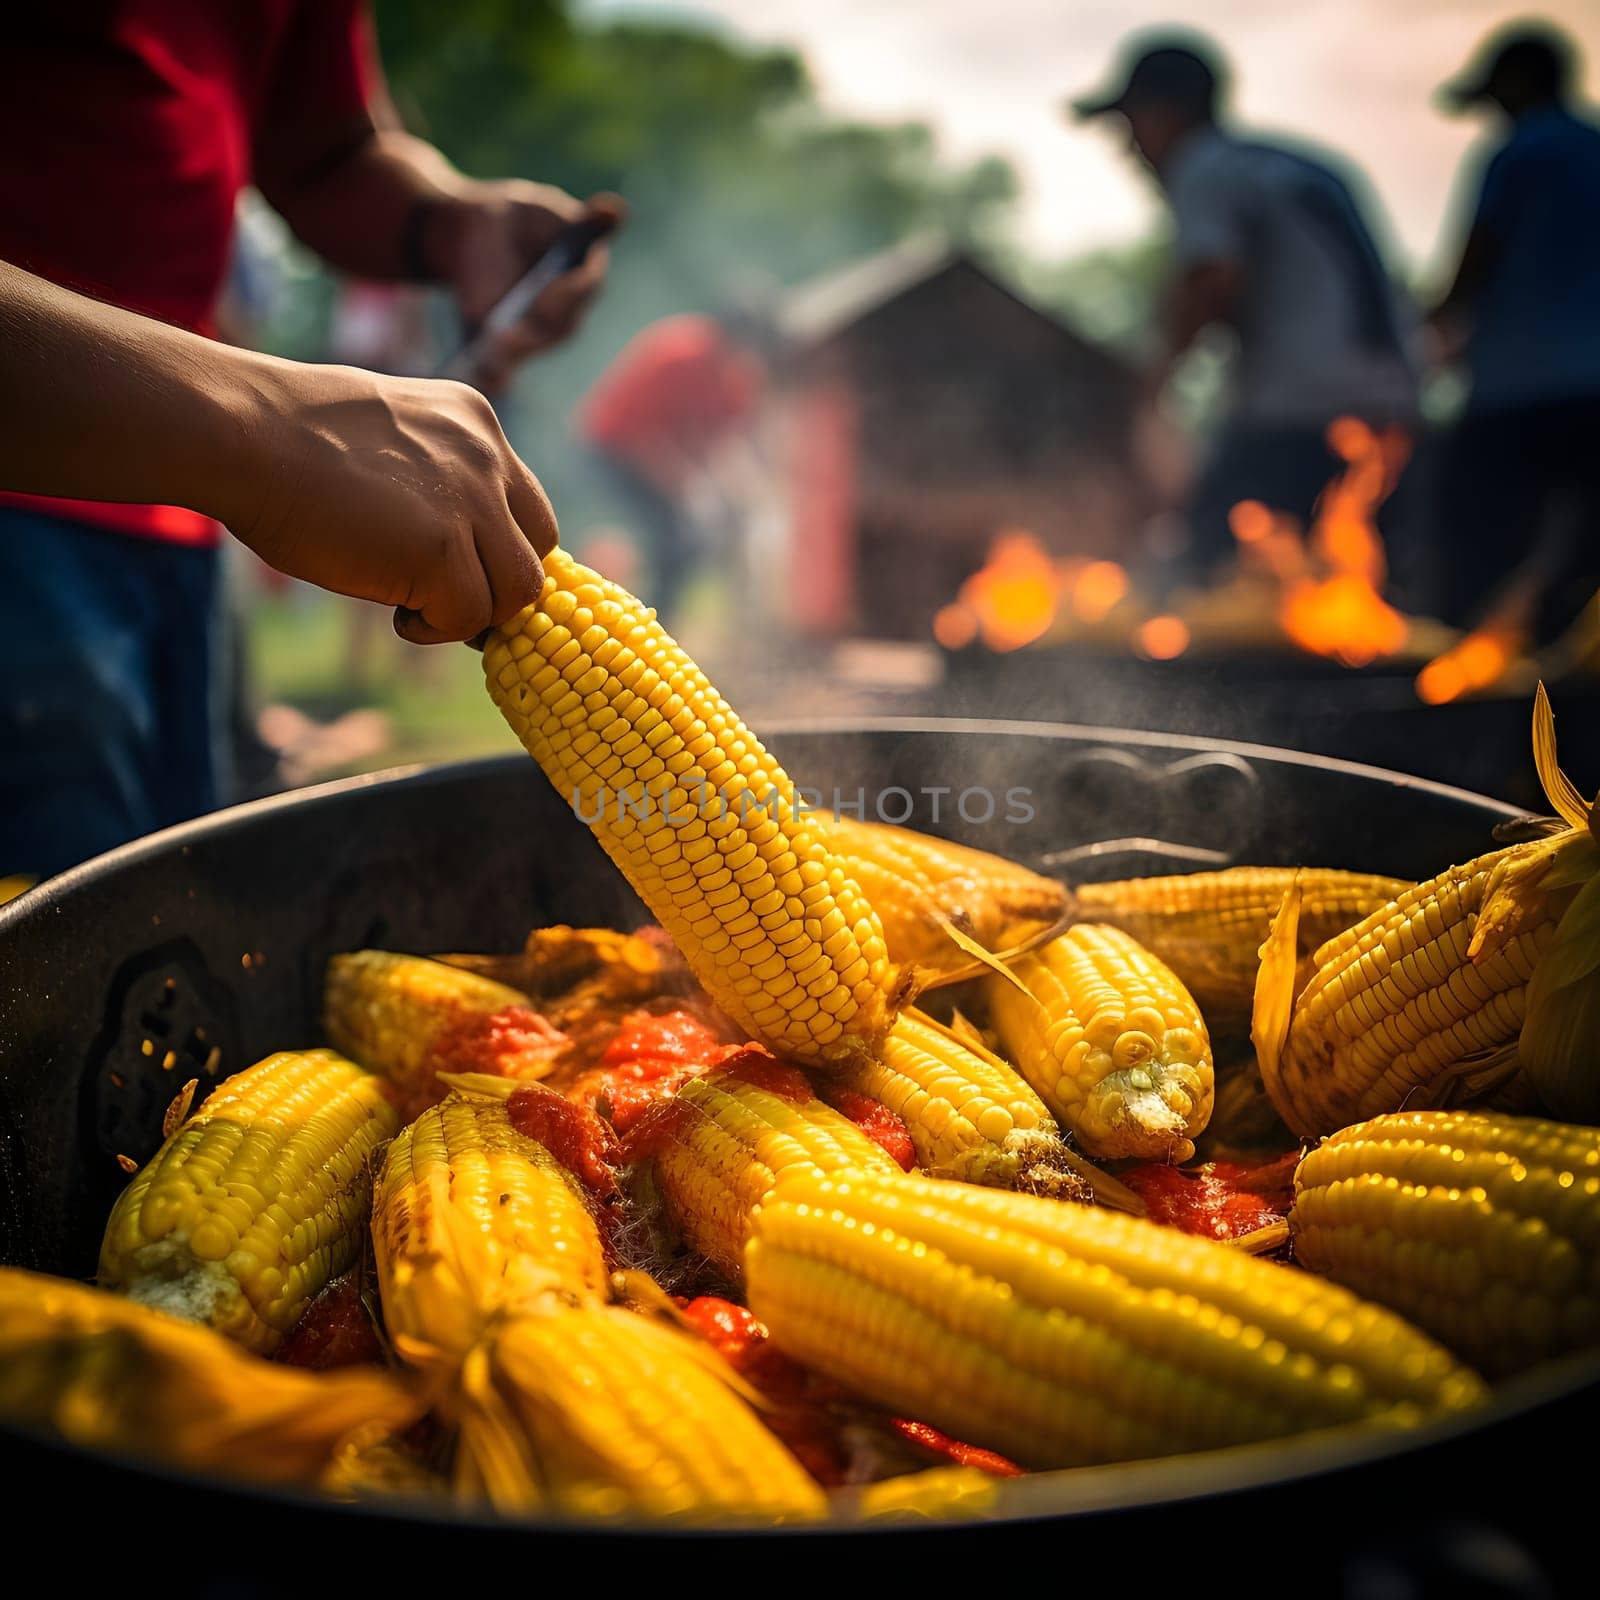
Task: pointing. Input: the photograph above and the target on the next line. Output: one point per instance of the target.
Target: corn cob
(1112, 1042)
(622, 721)
(1209, 926)
(1483, 976)
(102, 1372)
(970, 1115)
(493, 1278)
(257, 1201)
(406, 1017)
(1065, 1335)
(1396, 1011)
(595, 1411)
(472, 1220)
(717, 1147)
(1482, 1228)
(921, 886)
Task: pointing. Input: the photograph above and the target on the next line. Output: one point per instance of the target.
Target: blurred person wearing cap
(132, 436)
(1269, 242)
(1519, 482)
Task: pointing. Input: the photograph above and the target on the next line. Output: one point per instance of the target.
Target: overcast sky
(1356, 75)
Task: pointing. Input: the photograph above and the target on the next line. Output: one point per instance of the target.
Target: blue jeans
(108, 648)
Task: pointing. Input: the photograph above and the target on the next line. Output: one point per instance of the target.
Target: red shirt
(674, 391)
(127, 130)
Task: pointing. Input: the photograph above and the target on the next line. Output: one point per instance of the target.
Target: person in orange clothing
(130, 437)
(657, 419)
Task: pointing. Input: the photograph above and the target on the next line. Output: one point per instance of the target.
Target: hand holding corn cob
(699, 818)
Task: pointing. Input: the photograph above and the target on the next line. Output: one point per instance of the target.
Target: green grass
(299, 652)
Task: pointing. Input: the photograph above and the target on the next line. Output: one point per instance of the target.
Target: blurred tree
(733, 170)
(740, 183)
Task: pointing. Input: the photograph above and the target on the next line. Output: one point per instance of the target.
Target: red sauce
(832, 1432)
(514, 1042)
(649, 1058)
(572, 1133)
(1218, 1199)
(800, 1402)
(334, 1331)
(674, 1036)
(948, 1449)
(755, 1066)
(877, 1121)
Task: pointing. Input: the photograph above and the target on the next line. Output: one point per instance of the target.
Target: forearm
(97, 403)
(361, 211)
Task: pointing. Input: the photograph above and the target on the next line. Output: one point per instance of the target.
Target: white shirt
(1321, 331)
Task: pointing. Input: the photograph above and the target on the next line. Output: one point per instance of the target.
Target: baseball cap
(1175, 70)
(1524, 53)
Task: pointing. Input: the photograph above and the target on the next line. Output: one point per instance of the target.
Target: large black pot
(213, 937)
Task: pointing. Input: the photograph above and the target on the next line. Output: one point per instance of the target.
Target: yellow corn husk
(1111, 1040)
(1558, 1040)
(374, 1467)
(257, 1201)
(970, 1115)
(1396, 1011)
(920, 886)
(594, 1411)
(1065, 1335)
(622, 721)
(472, 1220)
(1480, 1227)
(105, 1373)
(493, 1278)
(938, 1494)
(1209, 926)
(716, 1149)
(395, 1013)
(1429, 1000)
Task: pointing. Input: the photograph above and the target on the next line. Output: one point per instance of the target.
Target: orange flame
(1332, 602)
(1162, 638)
(1010, 600)
(1475, 662)
(1098, 589)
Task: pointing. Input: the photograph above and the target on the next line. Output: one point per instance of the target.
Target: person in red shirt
(130, 438)
(656, 419)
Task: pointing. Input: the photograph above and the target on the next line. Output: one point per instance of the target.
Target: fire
(1332, 603)
(1475, 662)
(1097, 590)
(1250, 521)
(1162, 638)
(1010, 600)
(954, 626)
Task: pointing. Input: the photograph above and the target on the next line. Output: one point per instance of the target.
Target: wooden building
(930, 407)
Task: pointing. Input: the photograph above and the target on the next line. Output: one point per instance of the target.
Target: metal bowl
(211, 939)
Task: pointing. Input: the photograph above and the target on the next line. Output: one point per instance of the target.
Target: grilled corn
(1063, 1335)
(1112, 1042)
(1482, 1228)
(1208, 926)
(257, 1201)
(701, 820)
